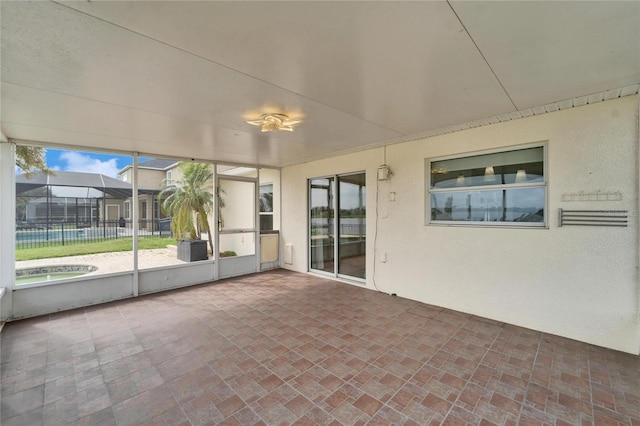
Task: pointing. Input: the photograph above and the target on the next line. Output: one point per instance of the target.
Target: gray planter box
(192, 250)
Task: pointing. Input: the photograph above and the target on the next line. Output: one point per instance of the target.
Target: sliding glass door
(351, 228)
(337, 225)
(322, 224)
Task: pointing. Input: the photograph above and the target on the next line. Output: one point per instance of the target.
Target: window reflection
(352, 229)
(511, 205)
(511, 167)
(499, 187)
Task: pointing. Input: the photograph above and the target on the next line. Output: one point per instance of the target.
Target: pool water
(51, 234)
(30, 279)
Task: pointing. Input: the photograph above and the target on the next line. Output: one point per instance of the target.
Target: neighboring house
(158, 174)
(153, 174)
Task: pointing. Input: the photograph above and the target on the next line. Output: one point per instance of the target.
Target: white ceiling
(180, 78)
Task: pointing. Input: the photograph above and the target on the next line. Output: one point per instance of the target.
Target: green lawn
(121, 244)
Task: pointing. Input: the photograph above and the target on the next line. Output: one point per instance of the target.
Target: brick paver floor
(283, 348)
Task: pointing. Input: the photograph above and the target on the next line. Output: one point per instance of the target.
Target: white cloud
(77, 162)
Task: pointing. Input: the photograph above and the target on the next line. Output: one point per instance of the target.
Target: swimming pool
(56, 234)
(51, 273)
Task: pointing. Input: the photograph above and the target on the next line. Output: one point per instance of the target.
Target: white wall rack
(617, 218)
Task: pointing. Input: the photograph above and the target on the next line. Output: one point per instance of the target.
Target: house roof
(113, 187)
(180, 79)
(155, 164)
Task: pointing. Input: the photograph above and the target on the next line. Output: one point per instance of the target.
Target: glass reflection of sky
(349, 194)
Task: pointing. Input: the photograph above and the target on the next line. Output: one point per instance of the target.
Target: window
(497, 188)
(168, 181)
(266, 207)
(125, 176)
(127, 210)
(143, 209)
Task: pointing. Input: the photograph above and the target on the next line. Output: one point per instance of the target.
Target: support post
(104, 217)
(7, 226)
(136, 223)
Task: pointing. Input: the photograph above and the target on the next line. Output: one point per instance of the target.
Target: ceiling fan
(272, 122)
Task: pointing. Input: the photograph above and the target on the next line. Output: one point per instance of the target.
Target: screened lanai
(484, 325)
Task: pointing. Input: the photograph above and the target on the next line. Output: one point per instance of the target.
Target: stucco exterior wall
(577, 282)
(151, 179)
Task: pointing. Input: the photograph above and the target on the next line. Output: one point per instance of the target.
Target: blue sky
(88, 162)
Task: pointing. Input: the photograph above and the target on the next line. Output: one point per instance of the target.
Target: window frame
(429, 191)
(260, 212)
(333, 229)
(143, 209)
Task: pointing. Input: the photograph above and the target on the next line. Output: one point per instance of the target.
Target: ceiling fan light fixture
(273, 122)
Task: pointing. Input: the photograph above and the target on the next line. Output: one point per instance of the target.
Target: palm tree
(31, 159)
(266, 202)
(189, 201)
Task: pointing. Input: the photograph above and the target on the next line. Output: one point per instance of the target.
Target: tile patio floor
(287, 348)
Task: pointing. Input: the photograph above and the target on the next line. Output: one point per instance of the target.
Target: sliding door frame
(334, 231)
